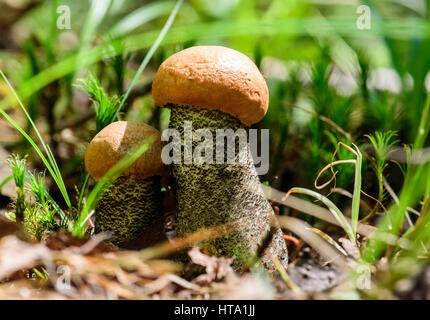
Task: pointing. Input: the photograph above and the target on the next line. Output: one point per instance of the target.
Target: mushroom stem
(208, 195)
(129, 206)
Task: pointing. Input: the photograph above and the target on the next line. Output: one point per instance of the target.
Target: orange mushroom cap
(119, 139)
(213, 77)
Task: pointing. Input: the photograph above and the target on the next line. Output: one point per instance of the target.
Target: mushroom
(219, 88)
(133, 201)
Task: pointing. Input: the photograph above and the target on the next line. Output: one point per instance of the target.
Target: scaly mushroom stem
(128, 207)
(208, 195)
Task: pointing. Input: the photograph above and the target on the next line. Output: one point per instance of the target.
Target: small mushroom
(219, 88)
(133, 201)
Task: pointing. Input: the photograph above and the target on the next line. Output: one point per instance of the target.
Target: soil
(311, 276)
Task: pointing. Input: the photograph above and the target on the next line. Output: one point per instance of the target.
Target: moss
(208, 195)
(128, 207)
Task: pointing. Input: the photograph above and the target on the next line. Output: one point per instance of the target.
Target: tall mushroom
(133, 201)
(219, 88)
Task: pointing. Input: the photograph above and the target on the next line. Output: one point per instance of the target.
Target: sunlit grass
(107, 110)
(48, 160)
(215, 30)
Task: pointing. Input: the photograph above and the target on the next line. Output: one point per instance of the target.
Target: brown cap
(118, 140)
(213, 77)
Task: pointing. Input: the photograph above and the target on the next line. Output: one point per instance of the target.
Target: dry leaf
(216, 268)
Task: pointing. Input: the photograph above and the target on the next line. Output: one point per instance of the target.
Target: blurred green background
(329, 80)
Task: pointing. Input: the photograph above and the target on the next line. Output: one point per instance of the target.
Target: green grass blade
(82, 192)
(98, 10)
(213, 30)
(30, 140)
(5, 181)
(424, 127)
(51, 165)
(332, 208)
(140, 16)
(355, 212)
(151, 52)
